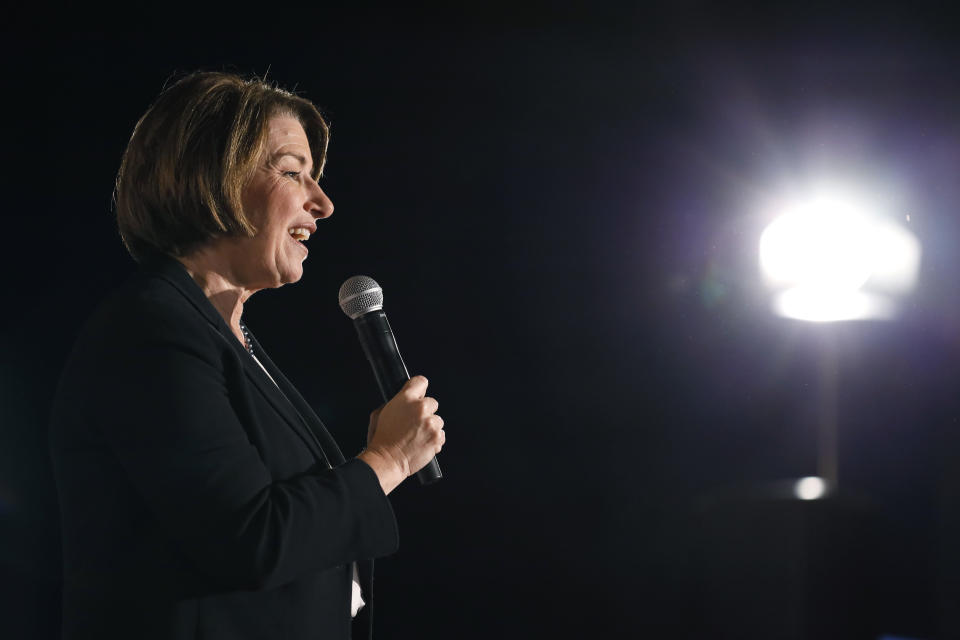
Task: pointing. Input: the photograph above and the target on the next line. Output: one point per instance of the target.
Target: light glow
(823, 305)
(829, 259)
(810, 488)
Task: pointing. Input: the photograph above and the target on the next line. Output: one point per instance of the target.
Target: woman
(201, 497)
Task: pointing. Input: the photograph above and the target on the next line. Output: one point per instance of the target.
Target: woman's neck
(220, 285)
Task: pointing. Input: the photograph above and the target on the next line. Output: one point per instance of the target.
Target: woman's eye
(292, 174)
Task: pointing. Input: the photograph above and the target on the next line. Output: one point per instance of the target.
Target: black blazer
(197, 499)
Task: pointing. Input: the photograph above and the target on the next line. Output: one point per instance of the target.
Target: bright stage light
(829, 259)
(810, 488)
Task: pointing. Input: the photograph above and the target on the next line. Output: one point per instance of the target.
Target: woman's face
(283, 202)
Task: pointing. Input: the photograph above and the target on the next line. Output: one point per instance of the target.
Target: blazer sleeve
(169, 420)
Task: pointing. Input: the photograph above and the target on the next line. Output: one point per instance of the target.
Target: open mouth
(300, 235)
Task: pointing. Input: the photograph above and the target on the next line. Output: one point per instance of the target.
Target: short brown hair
(191, 154)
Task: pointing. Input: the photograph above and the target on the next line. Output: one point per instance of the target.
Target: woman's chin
(291, 276)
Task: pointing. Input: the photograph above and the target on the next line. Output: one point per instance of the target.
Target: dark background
(562, 204)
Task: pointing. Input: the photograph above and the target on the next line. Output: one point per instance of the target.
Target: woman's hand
(404, 434)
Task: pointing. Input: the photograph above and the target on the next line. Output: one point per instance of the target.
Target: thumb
(415, 387)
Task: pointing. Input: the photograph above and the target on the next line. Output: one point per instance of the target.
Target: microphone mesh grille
(360, 295)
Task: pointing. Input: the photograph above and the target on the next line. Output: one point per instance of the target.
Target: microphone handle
(381, 350)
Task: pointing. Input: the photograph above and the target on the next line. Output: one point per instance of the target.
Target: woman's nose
(319, 204)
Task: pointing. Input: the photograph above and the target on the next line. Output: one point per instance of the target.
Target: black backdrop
(560, 205)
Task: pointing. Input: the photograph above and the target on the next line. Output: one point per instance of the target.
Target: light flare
(832, 259)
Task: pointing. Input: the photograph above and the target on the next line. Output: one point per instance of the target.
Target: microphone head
(360, 295)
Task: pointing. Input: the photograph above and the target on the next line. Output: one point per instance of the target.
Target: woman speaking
(201, 497)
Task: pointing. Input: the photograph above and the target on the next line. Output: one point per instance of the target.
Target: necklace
(246, 338)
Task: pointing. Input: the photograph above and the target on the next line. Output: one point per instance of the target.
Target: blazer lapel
(280, 398)
(280, 402)
(305, 412)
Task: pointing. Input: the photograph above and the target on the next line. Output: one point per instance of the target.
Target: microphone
(361, 298)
